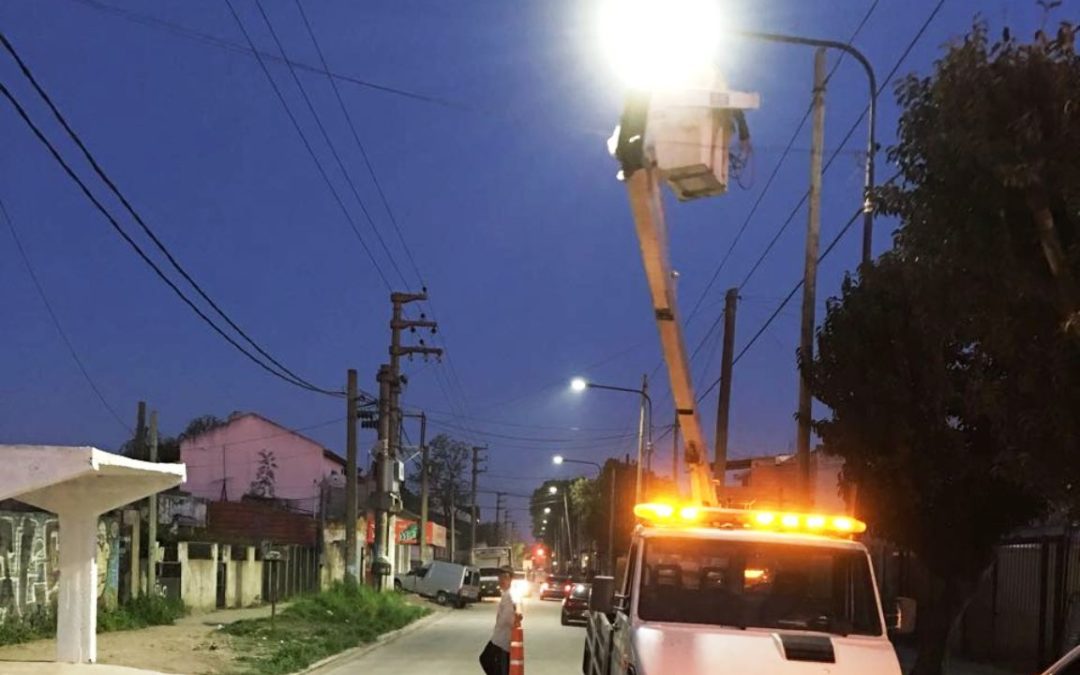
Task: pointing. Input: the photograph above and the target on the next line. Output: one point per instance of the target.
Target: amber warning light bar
(777, 521)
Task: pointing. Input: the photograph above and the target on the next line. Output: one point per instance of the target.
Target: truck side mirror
(602, 598)
(901, 620)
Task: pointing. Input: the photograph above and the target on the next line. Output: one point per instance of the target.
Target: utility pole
(611, 516)
(641, 438)
(498, 511)
(723, 406)
(140, 432)
(813, 233)
(352, 562)
(387, 497)
(474, 512)
(424, 488)
(675, 454)
(151, 549)
(379, 469)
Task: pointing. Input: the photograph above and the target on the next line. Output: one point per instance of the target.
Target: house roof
(236, 416)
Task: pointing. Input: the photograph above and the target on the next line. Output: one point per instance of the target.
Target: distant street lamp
(547, 510)
(579, 384)
(559, 460)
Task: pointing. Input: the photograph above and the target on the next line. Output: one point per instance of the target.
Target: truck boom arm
(643, 186)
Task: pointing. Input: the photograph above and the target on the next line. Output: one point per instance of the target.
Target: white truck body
(629, 640)
(445, 582)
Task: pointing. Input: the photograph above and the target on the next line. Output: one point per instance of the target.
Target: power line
(307, 145)
(847, 137)
(359, 144)
(768, 183)
(795, 289)
(326, 137)
(138, 218)
(213, 40)
(142, 254)
(56, 320)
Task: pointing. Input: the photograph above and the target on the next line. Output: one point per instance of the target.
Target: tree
(448, 460)
(265, 479)
(951, 365)
(169, 446)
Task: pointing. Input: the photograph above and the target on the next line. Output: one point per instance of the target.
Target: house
(250, 455)
(773, 482)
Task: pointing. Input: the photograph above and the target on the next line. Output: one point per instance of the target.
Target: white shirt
(504, 622)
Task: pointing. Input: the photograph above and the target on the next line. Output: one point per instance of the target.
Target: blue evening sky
(500, 182)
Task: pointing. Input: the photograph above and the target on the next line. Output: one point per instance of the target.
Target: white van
(444, 582)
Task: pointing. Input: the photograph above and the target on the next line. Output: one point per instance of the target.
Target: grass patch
(143, 611)
(36, 624)
(39, 623)
(316, 626)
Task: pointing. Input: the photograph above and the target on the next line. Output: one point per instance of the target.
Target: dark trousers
(495, 660)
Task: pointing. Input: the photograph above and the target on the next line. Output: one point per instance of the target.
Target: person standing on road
(495, 659)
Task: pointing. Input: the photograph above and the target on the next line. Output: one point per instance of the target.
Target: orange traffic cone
(517, 648)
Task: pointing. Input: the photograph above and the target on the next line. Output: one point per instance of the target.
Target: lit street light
(552, 489)
(547, 510)
(580, 384)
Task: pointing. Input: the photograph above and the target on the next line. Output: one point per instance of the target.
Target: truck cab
(722, 591)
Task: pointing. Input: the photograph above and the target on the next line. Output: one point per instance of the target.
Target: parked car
(445, 582)
(489, 582)
(555, 587)
(575, 606)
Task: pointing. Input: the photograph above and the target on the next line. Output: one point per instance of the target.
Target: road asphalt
(452, 642)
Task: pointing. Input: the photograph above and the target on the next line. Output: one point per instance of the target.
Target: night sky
(491, 153)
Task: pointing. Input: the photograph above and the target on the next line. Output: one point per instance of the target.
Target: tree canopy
(951, 365)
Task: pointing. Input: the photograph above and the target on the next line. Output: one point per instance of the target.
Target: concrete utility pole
(139, 451)
(675, 453)
(611, 517)
(474, 512)
(151, 547)
(352, 546)
(379, 469)
(424, 488)
(813, 233)
(641, 438)
(723, 406)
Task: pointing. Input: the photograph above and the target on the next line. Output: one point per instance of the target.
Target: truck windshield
(759, 585)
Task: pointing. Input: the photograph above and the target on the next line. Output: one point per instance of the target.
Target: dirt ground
(192, 646)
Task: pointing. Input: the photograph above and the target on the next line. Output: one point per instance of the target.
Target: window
(631, 565)
(752, 584)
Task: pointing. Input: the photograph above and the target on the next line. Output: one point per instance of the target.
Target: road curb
(383, 639)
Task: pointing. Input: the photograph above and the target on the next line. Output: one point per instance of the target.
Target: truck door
(622, 652)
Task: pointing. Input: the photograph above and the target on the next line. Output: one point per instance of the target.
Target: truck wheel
(441, 599)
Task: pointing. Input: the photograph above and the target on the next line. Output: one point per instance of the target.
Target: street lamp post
(579, 384)
(559, 459)
(871, 118)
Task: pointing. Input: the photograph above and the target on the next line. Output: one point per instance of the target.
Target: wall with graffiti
(30, 561)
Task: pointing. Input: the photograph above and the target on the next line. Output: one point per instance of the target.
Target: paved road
(451, 644)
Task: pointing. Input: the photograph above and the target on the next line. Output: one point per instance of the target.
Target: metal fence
(1026, 611)
(295, 571)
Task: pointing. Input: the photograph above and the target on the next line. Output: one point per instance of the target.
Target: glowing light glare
(557, 459)
(552, 490)
(845, 524)
(690, 513)
(578, 384)
(753, 574)
(547, 509)
(764, 518)
(660, 44)
(789, 520)
(815, 522)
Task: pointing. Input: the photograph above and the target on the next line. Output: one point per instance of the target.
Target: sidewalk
(191, 645)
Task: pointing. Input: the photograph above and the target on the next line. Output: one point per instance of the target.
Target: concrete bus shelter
(79, 484)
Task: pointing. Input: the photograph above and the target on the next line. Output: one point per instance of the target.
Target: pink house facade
(235, 459)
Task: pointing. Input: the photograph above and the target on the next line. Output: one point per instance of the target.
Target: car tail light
(567, 589)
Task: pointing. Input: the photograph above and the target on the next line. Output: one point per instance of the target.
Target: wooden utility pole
(140, 432)
(352, 546)
(151, 544)
(723, 406)
(813, 233)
